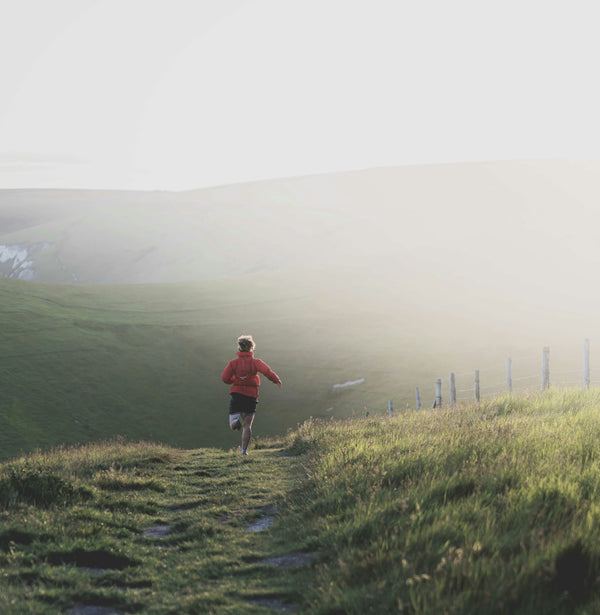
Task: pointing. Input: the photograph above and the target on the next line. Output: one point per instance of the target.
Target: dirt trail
(238, 500)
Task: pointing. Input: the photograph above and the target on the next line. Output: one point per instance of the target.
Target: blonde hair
(246, 343)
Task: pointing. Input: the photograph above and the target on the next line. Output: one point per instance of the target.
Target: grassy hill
(477, 509)
(80, 363)
(515, 224)
(387, 277)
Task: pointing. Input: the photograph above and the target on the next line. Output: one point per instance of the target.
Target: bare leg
(247, 420)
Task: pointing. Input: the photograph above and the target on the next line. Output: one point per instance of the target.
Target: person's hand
(279, 384)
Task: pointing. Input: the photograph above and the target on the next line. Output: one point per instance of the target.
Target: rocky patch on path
(157, 531)
(291, 560)
(276, 604)
(81, 609)
(265, 522)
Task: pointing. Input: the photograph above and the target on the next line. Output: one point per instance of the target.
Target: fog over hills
(468, 234)
(358, 287)
(524, 221)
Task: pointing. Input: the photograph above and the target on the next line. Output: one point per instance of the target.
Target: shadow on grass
(99, 558)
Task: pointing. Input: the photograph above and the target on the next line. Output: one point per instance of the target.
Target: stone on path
(291, 560)
(157, 531)
(263, 523)
(93, 610)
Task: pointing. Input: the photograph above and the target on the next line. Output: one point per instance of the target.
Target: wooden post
(438, 393)
(390, 407)
(545, 368)
(509, 374)
(418, 396)
(477, 388)
(452, 389)
(586, 364)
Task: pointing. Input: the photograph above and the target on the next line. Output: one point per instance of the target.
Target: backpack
(242, 377)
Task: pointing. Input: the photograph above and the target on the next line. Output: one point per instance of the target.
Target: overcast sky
(182, 94)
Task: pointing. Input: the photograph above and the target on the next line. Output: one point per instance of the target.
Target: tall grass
(491, 509)
(62, 475)
(474, 509)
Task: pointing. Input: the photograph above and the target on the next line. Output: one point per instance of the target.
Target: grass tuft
(37, 486)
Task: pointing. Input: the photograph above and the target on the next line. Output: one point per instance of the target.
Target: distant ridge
(410, 216)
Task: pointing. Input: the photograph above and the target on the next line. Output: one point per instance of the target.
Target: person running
(243, 374)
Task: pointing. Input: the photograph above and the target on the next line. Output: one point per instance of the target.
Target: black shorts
(242, 403)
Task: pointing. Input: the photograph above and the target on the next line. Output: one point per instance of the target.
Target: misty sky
(182, 94)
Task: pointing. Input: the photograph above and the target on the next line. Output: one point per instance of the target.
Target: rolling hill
(518, 222)
(388, 277)
(82, 363)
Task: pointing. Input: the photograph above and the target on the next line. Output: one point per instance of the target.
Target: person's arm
(228, 376)
(264, 369)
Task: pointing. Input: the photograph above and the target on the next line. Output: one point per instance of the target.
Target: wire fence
(526, 373)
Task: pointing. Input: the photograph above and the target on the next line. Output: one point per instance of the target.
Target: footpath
(196, 532)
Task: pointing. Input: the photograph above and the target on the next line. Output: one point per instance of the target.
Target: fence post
(586, 364)
(438, 393)
(477, 389)
(452, 389)
(418, 396)
(509, 374)
(390, 407)
(545, 368)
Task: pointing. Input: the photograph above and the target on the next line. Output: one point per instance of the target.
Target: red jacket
(243, 374)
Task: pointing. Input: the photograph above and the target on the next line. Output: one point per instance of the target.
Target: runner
(242, 373)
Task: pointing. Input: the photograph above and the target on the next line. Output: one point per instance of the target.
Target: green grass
(83, 543)
(86, 363)
(468, 510)
(79, 364)
(490, 509)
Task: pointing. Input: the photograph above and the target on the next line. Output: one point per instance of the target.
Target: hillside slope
(480, 509)
(86, 362)
(468, 220)
(80, 363)
(388, 278)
